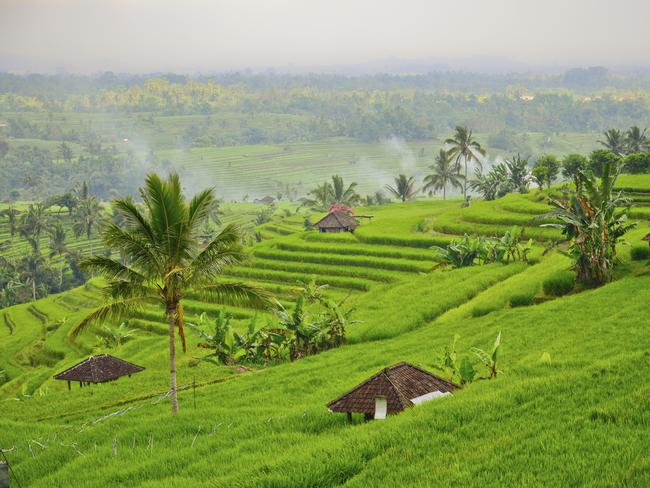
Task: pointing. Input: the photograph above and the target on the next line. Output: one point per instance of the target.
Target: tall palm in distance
(342, 195)
(166, 260)
(635, 140)
(464, 148)
(614, 141)
(444, 174)
(404, 188)
(58, 246)
(327, 194)
(33, 224)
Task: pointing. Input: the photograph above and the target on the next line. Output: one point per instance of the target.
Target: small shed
(337, 221)
(647, 239)
(98, 369)
(392, 390)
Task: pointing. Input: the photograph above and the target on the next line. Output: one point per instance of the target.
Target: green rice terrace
(570, 405)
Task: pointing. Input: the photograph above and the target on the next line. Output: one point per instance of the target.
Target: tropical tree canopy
(334, 193)
(404, 188)
(465, 149)
(444, 175)
(614, 141)
(161, 243)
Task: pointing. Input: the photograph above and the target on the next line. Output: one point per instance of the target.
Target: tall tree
(65, 152)
(545, 170)
(86, 216)
(342, 195)
(464, 148)
(444, 174)
(518, 173)
(58, 246)
(614, 141)
(572, 166)
(635, 140)
(166, 261)
(404, 188)
(34, 222)
(12, 219)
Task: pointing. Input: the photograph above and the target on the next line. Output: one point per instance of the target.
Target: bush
(559, 284)
(481, 310)
(640, 252)
(522, 299)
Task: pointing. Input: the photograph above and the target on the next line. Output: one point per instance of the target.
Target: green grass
(542, 423)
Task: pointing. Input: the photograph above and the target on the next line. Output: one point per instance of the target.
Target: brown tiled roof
(399, 383)
(97, 369)
(340, 220)
(646, 238)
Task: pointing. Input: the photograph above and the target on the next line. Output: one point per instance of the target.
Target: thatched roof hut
(392, 390)
(98, 369)
(646, 238)
(337, 221)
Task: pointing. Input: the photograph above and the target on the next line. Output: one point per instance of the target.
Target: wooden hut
(337, 221)
(98, 369)
(392, 390)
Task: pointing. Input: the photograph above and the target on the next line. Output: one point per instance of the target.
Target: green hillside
(575, 370)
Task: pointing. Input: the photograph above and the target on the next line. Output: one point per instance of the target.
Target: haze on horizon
(220, 35)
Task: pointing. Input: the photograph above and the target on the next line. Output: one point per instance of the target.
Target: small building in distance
(98, 369)
(647, 239)
(392, 390)
(337, 221)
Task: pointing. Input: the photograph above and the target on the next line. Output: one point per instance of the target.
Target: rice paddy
(536, 424)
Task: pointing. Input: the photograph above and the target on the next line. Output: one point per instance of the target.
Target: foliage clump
(522, 299)
(559, 284)
(640, 252)
(467, 369)
(477, 250)
(295, 334)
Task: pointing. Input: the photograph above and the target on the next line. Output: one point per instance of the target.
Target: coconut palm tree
(12, 219)
(614, 141)
(334, 193)
(86, 216)
(635, 140)
(34, 222)
(166, 260)
(444, 174)
(466, 149)
(404, 188)
(58, 246)
(342, 195)
(319, 198)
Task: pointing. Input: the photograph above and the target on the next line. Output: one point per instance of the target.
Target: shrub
(640, 252)
(559, 284)
(522, 299)
(481, 310)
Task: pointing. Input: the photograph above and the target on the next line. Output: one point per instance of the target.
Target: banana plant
(490, 361)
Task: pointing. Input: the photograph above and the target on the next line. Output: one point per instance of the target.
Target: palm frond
(238, 294)
(111, 311)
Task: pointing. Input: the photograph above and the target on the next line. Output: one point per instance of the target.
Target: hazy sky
(202, 35)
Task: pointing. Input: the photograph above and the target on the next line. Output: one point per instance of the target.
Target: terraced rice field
(261, 421)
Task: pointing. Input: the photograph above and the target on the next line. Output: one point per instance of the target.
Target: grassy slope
(270, 427)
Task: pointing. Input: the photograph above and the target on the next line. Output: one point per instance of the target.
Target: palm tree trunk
(444, 192)
(171, 319)
(34, 287)
(465, 182)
